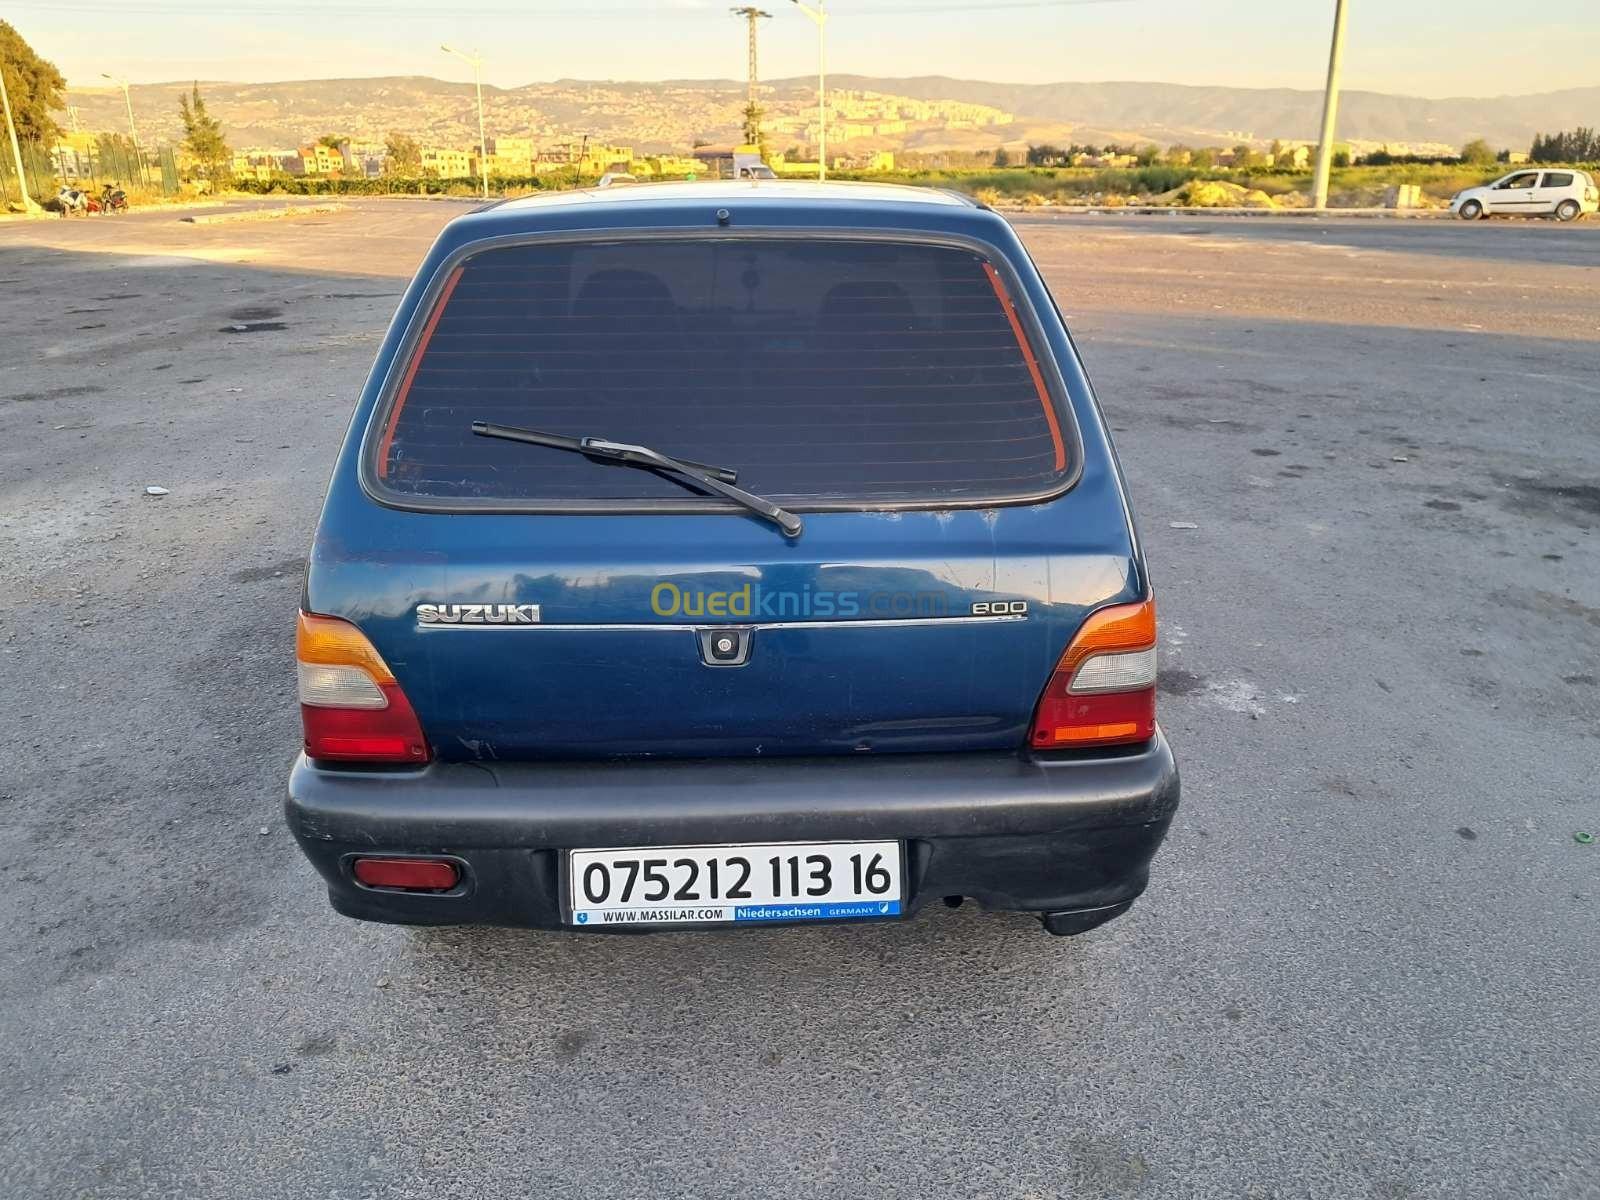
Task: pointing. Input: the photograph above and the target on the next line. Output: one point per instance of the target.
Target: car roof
(741, 204)
(734, 205)
(715, 191)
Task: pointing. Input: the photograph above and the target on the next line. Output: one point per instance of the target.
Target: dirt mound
(1218, 193)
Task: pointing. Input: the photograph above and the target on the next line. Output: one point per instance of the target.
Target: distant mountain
(673, 114)
(293, 112)
(1175, 112)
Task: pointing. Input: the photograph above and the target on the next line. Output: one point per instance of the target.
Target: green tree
(202, 136)
(1205, 158)
(1001, 158)
(1581, 145)
(1149, 154)
(332, 140)
(1477, 153)
(402, 155)
(1245, 156)
(33, 86)
(752, 124)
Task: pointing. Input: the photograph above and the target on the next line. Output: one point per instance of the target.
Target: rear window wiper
(717, 479)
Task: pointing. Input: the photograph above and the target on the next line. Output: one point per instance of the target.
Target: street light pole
(1330, 110)
(138, 154)
(29, 204)
(819, 15)
(475, 61)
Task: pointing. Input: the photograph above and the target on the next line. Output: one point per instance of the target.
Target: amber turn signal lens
(336, 642)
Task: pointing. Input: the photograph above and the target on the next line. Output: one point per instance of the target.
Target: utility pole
(1330, 110)
(475, 61)
(138, 154)
(752, 112)
(819, 15)
(29, 205)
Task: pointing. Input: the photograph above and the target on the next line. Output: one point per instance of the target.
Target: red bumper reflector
(409, 874)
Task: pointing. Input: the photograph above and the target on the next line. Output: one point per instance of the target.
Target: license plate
(693, 885)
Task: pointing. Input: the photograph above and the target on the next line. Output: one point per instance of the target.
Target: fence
(36, 162)
(111, 160)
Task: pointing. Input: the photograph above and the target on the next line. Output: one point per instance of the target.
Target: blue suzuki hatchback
(715, 554)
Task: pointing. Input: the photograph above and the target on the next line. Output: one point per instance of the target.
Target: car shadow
(612, 989)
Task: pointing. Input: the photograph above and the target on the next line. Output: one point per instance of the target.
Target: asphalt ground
(1366, 965)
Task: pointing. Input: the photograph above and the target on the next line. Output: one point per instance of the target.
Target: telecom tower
(752, 110)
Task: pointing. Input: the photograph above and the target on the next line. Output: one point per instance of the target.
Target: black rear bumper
(1070, 839)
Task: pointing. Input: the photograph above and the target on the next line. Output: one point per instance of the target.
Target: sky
(1414, 47)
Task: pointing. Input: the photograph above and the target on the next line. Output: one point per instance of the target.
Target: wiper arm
(717, 479)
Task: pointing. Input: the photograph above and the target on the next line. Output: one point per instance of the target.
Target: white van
(1564, 194)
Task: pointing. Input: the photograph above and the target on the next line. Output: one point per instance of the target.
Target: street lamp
(133, 133)
(475, 61)
(819, 15)
(1330, 111)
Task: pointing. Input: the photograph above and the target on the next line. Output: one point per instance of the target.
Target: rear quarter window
(855, 371)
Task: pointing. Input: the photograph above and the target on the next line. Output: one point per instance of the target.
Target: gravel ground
(1366, 963)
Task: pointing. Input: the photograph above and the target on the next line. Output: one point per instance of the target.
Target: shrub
(300, 185)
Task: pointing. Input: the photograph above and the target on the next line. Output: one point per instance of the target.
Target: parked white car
(1563, 194)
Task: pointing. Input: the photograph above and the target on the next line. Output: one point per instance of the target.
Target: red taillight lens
(383, 735)
(351, 708)
(1103, 691)
(410, 874)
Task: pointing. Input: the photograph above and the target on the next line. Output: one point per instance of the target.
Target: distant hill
(1174, 112)
(671, 115)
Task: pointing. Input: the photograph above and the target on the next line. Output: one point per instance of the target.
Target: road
(1366, 963)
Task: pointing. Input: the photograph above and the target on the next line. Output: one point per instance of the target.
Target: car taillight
(350, 705)
(1103, 691)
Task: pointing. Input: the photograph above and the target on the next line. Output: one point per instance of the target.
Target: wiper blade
(717, 479)
(556, 441)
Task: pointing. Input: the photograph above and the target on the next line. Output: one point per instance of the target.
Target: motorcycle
(69, 201)
(113, 199)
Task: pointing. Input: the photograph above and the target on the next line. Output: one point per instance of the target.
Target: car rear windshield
(822, 370)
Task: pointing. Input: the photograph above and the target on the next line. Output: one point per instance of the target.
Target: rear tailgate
(535, 604)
